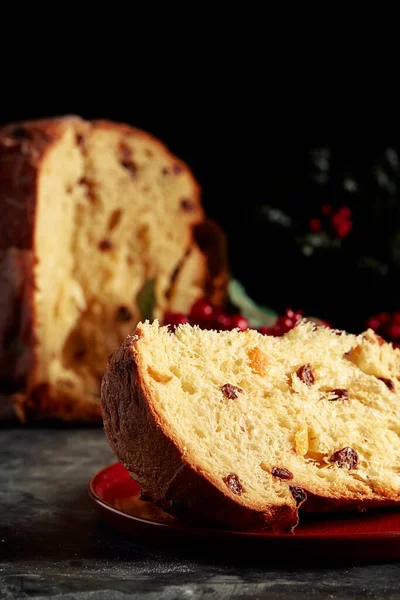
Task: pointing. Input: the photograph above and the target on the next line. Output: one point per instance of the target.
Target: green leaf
(257, 316)
(146, 300)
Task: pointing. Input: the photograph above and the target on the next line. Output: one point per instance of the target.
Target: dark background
(252, 139)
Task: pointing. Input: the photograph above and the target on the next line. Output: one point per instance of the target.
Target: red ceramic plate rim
(299, 535)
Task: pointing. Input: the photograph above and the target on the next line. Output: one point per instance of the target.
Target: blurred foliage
(346, 270)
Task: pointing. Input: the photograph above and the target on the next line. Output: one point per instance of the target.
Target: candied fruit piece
(301, 440)
(258, 361)
(159, 377)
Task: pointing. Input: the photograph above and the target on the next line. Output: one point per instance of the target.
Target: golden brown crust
(142, 442)
(128, 130)
(16, 314)
(347, 502)
(23, 147)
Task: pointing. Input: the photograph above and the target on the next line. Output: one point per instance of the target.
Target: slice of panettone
(242, 430)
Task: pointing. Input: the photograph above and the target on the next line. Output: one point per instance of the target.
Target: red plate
(372, 536)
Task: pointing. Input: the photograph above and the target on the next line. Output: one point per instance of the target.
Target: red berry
(287, 324)
(275, 331)
(393, 331)
(383, 317)
(237, 321)
(202, 310)
(223, 322)
(345, 230)
(341, 222)
(264, 330)
(295, 317)
(344, 211)
(342, 228)
(326, 209)
(278, 328)
(174, 319)
(315, 225)
(396, 317)
(373, 323)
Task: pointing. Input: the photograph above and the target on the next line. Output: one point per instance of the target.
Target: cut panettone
(242, 430)
(99, 220)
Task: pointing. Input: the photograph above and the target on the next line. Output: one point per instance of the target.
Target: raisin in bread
(94, 216)
(242, 430)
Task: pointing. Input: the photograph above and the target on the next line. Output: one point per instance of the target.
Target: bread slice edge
(168, 473)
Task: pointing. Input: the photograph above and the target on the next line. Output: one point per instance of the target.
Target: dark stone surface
(54, 545)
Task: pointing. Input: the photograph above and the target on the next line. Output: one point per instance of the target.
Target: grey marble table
(54, 544)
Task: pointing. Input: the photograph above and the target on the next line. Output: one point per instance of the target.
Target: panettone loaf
(95, 216)
(243, 430)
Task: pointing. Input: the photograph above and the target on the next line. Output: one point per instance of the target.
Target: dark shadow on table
(75, 532)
